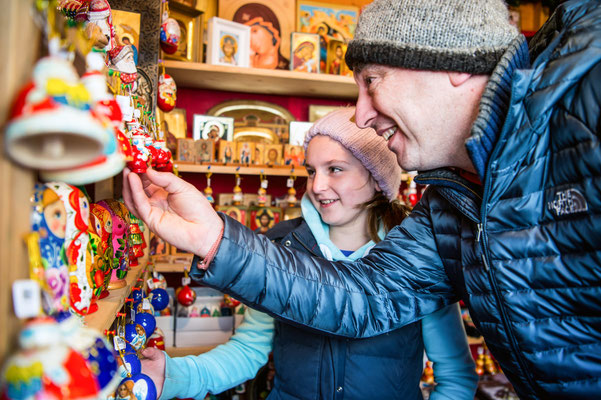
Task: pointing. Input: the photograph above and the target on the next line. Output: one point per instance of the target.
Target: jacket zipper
(481, 238)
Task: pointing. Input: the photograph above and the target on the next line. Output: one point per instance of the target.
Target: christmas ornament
(159, 298)
(139, 387)
(262, 193)
(208, 191)
(51, 126)
(170, 32)
(129, 363)
(184, 294)
(167, 92)
(99, 356)
(46, 367)
(291, 199)
(147, 321)
(162, 161)
(238, 195)
(100, 25)
(157, 339)
(136, 296)
(413, 196)
(135, 335)
(112, 160)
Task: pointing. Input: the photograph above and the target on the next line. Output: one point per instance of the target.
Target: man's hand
(153, 365)
(173, 209)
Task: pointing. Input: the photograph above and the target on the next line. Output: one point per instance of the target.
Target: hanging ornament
(51, 126)
(159, 298)
(135, 335)
(291, 199)
(262, 193)
(99, 27)
(170, 32)
(238, 195)
(185, 294)
(113, 158)
(147, 321)
(208, 191)
(157, 340)
(167, 92)
(162, 161)
(139, 387)
(412, 195)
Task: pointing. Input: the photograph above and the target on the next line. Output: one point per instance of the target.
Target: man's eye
(368, 80)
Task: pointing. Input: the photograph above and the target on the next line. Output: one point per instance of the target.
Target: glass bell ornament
(51, 126)
(170, 32)
(167, 92)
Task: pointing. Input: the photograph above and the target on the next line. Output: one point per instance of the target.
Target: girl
(349, 205)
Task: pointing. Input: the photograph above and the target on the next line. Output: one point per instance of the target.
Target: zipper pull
(479, 232)
(484, 262)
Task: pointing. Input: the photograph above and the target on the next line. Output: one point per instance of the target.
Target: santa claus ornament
(170, 32)
(167, 92)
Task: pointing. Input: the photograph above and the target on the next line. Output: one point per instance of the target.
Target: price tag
(145, 304)
(132, 314)
(120, 331)
(186, 281)
(264, 183)
(119, 343)
(155, 275)
(27, 298)
(290, 182)
(150, 283)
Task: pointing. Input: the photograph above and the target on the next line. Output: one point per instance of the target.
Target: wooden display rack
(233, 169)
(258, 80)
(108, 307)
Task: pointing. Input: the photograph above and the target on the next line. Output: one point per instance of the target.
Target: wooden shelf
(187, 351)
(110, 305)
(232, 169)
(264, 81)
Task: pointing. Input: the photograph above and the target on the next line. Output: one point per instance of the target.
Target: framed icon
(228, 43)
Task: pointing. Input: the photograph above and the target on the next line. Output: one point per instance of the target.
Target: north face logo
(570, 201)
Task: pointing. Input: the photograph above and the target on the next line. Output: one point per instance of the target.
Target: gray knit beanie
(434, 35)
(365, 144)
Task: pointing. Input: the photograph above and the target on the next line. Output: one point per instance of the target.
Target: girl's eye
(335, 169)
(310, 172)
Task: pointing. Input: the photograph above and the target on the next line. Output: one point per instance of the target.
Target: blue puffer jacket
(523, 251)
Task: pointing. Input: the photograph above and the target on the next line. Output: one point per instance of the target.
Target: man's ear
(458, 78)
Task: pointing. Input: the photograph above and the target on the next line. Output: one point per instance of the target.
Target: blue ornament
(135, 334)
(130, 363)
(159, 298)
(147, 321)
(139, 386)
(136, 295)
(103, 360)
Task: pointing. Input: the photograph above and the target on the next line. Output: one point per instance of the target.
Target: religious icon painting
(264, 218)
(228, 43)
(239, 213)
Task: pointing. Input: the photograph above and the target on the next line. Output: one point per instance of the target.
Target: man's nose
(365, 114)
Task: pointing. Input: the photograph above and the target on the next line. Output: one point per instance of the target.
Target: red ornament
(167, 93)
(186, 296)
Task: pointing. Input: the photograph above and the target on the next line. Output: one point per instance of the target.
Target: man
(509, 137)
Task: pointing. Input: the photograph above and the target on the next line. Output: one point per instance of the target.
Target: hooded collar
(321, 233)
(494, 105)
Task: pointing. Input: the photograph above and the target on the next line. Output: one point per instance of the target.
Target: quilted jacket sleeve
(400, 281)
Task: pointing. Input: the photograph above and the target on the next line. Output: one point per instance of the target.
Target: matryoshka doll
(49, 222)
(102, 224)
(76, 246)
(136, 249)
(120, 262)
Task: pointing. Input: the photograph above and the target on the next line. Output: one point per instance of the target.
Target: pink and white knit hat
(366, 146)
